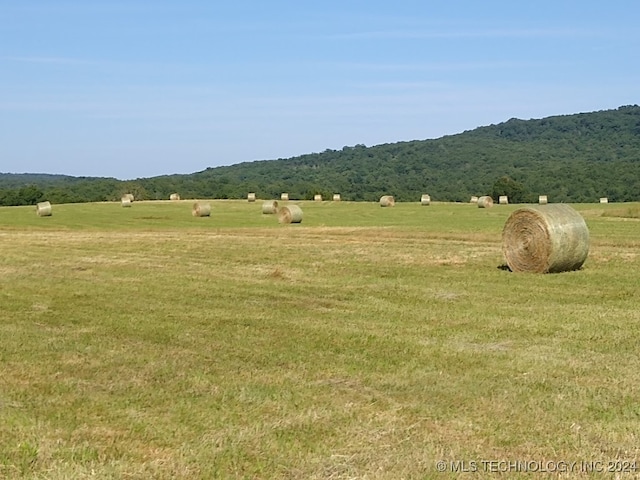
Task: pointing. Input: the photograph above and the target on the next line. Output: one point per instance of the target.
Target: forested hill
(569, 158)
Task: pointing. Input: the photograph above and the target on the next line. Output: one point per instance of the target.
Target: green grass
(629, 211)
(366, 342)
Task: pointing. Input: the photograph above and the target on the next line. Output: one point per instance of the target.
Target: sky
(141, 88)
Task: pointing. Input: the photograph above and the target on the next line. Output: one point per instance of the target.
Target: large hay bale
(251, 197)
(284, 197)
(545, 239)
(604, 200)
(336, 197)
(317, 197)
(503, 200)
(125, 201)
(43, 209)
(270, 207)
(542, 199)
(290, 214)
(128, 196)
(485, 201)
(201, 209)
(174, 196)
(387, 201)
(425, 199)
(474, 199)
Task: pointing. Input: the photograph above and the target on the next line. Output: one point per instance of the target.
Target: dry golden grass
(346, 350)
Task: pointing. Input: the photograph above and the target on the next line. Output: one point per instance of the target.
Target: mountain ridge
(571, 158)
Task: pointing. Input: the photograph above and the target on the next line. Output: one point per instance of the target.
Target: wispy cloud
(429, 33)
(48, 60)
(434, 66)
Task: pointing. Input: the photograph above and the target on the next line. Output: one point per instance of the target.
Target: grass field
(364, 343)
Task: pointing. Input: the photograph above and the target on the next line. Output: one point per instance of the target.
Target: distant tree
(506, 185)
(9, 197)
(136, 188)
(30, 195)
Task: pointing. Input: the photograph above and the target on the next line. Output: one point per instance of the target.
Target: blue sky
(137, 88)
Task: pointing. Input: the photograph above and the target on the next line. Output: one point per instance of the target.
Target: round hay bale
(604, 200)
(317, 197)
(545, 239)
(201, 209)
(474, 199)
(284, 197)
(425, 200)
(503, 200)
(43, 209)
(251, 197)
(542, 199)
(129, 196)
(125, 201)
(290, 214)
(387, 201)
(270, 207)
(485, 201)
(336, 197)
(174, 196)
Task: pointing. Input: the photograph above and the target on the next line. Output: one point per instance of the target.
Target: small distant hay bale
(336, 197)
(290, 214)
(545, 239)
(425, 199)
(251, 197)
(43, 209)
(474, 199)
(129, 196)
(604, 200)
(270, 207)
(174, 196)
(485, 201)
(503, 200)
(387, 201)
(317, 197)
(201, 209)
(284, 197)
(542, 200)
(125, 201)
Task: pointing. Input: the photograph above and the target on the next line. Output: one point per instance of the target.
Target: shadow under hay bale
(270, 207)
(387, 201)
(201, 209)
(43, 209)
(290, 214)
(485, 202)
(545, 239)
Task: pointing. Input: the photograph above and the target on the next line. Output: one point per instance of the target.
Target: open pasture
(364, 343)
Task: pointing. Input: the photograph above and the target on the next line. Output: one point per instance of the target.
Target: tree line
(570, 158)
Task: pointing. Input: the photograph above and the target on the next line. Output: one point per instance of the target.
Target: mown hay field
(364, 342)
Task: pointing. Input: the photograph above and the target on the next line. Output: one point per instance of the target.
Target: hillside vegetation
(569, 158)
